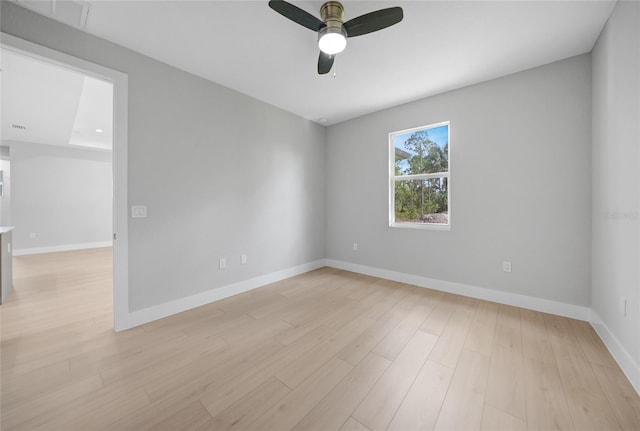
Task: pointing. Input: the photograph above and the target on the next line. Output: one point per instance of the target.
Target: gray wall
(221, 173)
(616, 162)
(63, 195)
(224, 174)
(520, 186)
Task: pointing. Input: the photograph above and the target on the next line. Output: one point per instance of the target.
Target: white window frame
(393, 178)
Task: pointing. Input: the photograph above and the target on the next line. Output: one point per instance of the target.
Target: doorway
(118, 81)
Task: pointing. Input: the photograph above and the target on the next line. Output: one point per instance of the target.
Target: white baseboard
(628, 365)
(624, 359)
(56, 248)
(156, 312)
(529, 302)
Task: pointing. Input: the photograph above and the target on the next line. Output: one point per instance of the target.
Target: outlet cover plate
(138, 211)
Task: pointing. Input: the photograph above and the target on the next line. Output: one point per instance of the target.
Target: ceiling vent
(70, 12)
(18, 126)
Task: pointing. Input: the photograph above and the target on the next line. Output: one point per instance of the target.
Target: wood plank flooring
(326, 350)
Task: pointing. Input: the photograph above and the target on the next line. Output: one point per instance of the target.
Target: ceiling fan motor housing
(331, 13)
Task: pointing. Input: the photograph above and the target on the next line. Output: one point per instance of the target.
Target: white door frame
(119, 157)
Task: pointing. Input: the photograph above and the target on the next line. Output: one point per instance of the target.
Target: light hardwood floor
(326, 350)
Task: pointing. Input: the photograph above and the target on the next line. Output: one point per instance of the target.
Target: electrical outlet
(355, 246)
(243, 259)
(223, 263)
(506, 266)
(32, 235)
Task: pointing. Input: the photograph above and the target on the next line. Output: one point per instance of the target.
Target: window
(419, 177)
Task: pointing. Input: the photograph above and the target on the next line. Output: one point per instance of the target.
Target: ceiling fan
(332, 32)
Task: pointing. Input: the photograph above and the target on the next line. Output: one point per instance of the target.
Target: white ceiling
(56, 106)
(439, 46)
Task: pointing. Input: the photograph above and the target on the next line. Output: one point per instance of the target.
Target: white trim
(518, 300)
(425, 226)
(421, 176)
(57, 248)
(625, 360)
(156, 312)
(119, 157)
(629, 366)
(415, 129)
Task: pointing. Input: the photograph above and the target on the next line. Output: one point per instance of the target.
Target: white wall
(221, 173)
(520, 186)
(63, 195)
(616, 189)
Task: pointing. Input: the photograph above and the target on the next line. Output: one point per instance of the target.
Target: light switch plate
(138, 211)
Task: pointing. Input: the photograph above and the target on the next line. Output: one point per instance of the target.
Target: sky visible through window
(439, 135)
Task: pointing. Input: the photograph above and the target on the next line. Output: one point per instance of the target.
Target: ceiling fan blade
(325, 63)
(295, 14)
(373, 21)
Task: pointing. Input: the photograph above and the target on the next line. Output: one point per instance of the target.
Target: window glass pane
(423, 151)
(422, 201)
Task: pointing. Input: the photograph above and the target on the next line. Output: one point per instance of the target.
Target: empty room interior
(357, 215)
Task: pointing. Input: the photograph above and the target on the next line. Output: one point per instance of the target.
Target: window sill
(421, 226)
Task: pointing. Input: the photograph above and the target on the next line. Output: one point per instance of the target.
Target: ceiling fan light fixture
(332, 30)
(332, 40)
